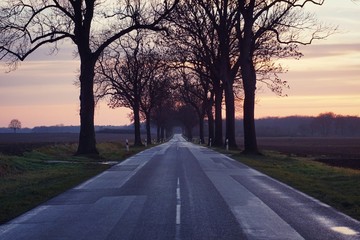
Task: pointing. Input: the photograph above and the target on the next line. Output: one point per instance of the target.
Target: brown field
(305, 146)
(17, 143)
(58, 137)
(343, 152)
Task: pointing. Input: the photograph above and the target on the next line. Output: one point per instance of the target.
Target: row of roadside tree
(152, 56)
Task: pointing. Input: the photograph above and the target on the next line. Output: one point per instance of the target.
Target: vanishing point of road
(179, 190)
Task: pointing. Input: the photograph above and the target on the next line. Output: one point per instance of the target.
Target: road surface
(181, 191)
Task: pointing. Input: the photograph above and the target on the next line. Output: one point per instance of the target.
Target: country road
(181, 191)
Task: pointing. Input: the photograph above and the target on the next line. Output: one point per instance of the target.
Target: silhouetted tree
(195, 90)
(324, 123)
(135, 75)
(26, 25)
(188, 119)
(123, 73)
(223, 19)
(269, 30)
(157, 88)
(197, 45)
(15, 124)
(165, 117)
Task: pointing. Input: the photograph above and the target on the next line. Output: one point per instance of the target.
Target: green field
(335, 186)
(38, 175)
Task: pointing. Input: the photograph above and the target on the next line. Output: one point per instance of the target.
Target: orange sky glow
(41, 92)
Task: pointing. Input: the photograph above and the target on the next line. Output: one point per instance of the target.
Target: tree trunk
(218, 139)
(201, 128)
(162, 133)
(230, 115)
(249, 83)
(148, 128)
(158, 132)
(168, 132)
(189, 133)
(87, 141)
(248, 73)
(137, 141)
(211, 125)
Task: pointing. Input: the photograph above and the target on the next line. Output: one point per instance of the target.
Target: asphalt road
(181, 191)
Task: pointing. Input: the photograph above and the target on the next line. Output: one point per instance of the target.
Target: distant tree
(165, 116)
(325, 123)
(195, 90)
(205, 32)
(188, 119)
(15, 124)
(347, 125)
(134, 74)
(155, 92)
(26, 25)
(122, 74)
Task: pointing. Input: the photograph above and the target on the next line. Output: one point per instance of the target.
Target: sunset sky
(326, 79)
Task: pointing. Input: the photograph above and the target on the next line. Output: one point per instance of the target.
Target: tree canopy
(15, 124)
(222, 49)
(92, 25)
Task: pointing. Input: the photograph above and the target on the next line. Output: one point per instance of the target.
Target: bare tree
(92, 25)
(269, 30)
(223, 19)
(324, 123)
(242, 40)
(122, 74)
(133, 75)
(187, 117)
(156, 91)
(197, 45)
(165, 117)
(196, 91)
(15, 124)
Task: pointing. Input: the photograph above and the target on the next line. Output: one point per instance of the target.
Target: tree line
(193, 57)
(324, 125)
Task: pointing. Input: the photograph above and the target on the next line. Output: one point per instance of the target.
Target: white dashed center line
(178, 209)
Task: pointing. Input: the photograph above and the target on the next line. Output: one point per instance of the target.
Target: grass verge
(337, 187)
(29, 180)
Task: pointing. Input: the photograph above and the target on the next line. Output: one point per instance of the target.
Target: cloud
(307, 105)
(40, 115)
(35, 95)
(330, 50)
(40, 73)
(40, 83)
